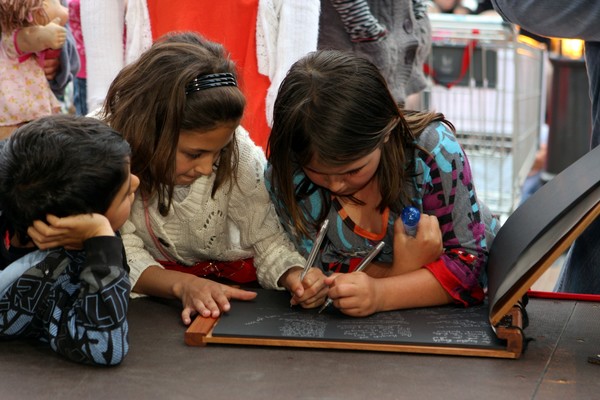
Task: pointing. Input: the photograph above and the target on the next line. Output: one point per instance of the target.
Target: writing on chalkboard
(270, 316)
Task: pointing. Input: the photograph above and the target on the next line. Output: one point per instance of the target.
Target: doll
(30, 31)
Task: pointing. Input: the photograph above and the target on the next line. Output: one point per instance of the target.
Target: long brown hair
(337, 107)
(147, 103)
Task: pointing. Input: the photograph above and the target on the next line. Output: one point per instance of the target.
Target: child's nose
(204, 167)
(336, 184)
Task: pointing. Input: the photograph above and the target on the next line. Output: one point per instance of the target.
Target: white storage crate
(489, 83)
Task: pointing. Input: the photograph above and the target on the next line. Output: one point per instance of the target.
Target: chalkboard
(540, 230)
(270, 316)
(530, 240)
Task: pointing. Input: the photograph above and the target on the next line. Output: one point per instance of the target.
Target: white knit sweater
(235, 224)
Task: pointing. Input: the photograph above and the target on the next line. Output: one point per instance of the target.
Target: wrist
(379, 289)
(287, 279)
(103, 229)
(93, 225)
(177, 289)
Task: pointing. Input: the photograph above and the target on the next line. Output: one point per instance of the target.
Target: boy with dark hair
(72, 172)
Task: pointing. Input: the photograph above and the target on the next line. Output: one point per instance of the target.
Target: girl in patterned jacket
(341, 149)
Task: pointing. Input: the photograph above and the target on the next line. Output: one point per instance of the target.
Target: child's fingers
(344, 285)
(316, 300)
(45, 237)
(52, 219)
(214, 308)
(297, 289)
(64, 223)
(51, 67)
(187, 314)
(220, 299)
(217, 302)
(315, 289)
(239, 294)
(42, 228)
(68, 222)
(203, 310)
(313, 276)
(330, 279)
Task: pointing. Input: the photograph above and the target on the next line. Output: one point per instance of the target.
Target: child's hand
(54, 35)
(411, 253)
(38, 38)
(355, 294)
(69, 232)
(51, 67)
(310, 292)
(206, 297)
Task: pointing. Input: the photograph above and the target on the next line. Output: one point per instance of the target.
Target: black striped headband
(202, 82)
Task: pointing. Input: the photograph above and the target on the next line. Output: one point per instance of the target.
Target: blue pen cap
(410, 218)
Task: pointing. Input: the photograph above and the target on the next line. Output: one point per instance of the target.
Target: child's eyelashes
(352, 172)
(194, 156)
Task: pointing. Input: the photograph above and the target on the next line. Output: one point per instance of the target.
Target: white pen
(316, 245)
(363, 264)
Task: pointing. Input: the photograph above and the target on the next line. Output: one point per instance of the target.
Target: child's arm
(37, 38)
(251, 209)
(358, 295)
(310, 292)
(197, 295)
(93, 328)
(404, 284)
(448, 192)
(80, 299)
(411, 253)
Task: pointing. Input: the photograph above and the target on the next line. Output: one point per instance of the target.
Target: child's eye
(194, 156)
(353, 172)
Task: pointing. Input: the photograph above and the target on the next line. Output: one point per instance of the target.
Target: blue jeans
(80, 96)
(530, 186)
(581, 272)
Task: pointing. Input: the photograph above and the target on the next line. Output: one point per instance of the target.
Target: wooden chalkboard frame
(532, 238)
(508, 337)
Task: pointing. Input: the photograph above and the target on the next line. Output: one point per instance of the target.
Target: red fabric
(239, 271)
(233, 24)
(452, 285)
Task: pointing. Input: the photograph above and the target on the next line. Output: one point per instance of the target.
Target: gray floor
(161, 366)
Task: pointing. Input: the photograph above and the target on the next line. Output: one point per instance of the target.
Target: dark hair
(337, 107)
(62, 165)
(147, 103)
